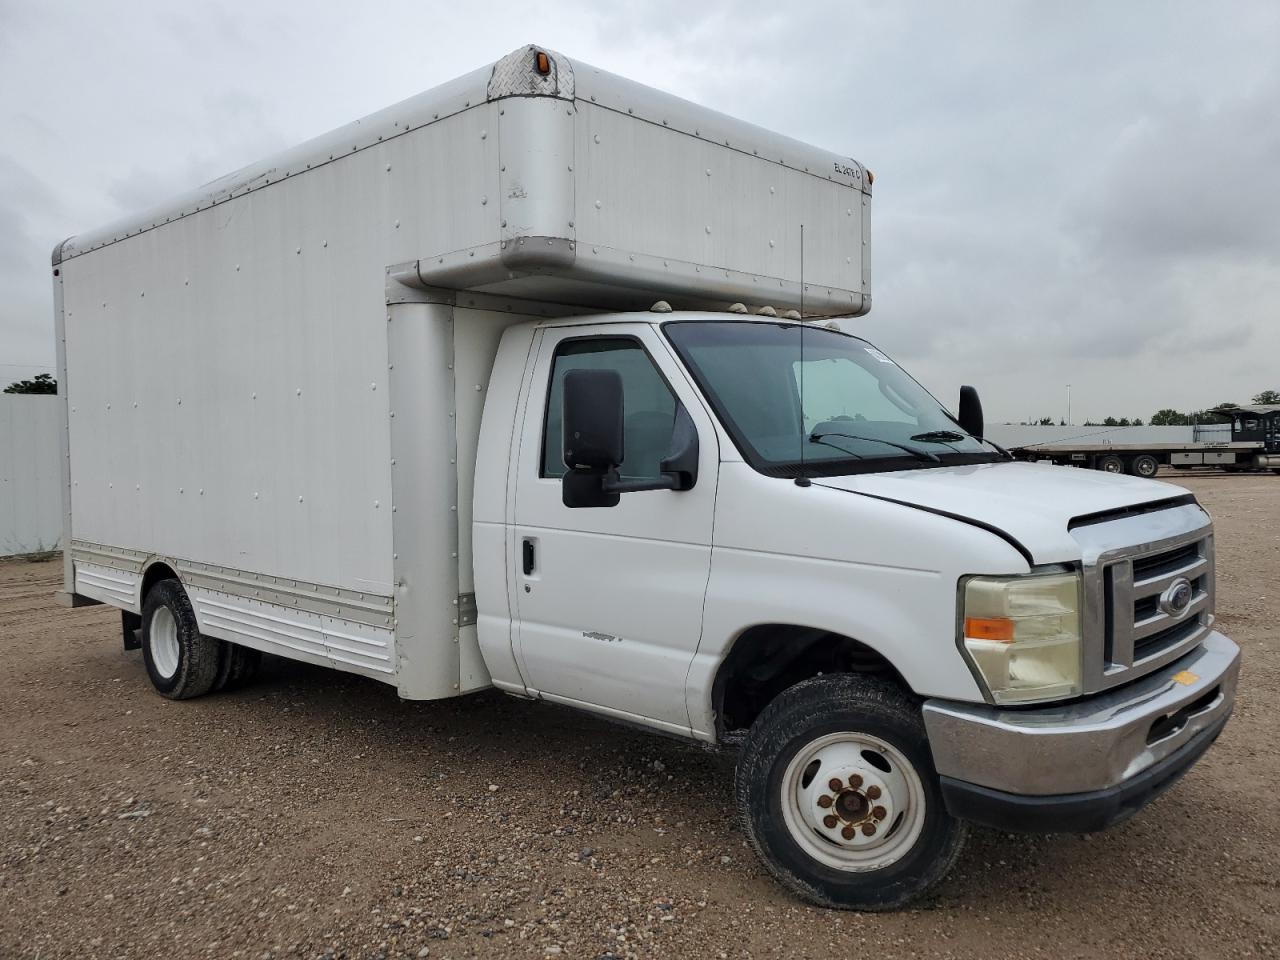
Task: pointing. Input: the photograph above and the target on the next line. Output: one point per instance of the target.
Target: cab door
(609, 599)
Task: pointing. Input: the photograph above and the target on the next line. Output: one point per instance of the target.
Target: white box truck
(528, 383)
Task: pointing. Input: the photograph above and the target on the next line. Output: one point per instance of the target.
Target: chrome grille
(1139, 629)
(1128, 565)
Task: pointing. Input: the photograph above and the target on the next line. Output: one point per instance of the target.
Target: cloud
(1080, 193)
(1194, 182)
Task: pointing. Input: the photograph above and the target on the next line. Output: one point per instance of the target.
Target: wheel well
(767, 659)
(159, 570)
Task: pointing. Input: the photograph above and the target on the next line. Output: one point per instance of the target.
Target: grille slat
(1166, 638)
(1163, 564)
(1138, 632)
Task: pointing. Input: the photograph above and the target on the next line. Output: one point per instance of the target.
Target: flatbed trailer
(1146, 459)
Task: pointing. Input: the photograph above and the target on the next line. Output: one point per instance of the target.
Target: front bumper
(1084, 765)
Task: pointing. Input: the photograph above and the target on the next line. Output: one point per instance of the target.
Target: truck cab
(1039, 641)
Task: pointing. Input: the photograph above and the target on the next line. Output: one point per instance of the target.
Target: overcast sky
(1084, 193)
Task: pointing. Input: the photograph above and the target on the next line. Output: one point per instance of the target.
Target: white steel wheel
(180, 661)
(838, 795)
(853, 801)
(164, 642)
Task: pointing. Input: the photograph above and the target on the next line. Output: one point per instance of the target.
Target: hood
(1030, 502)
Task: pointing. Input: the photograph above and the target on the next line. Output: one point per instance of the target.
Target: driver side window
(649, 407)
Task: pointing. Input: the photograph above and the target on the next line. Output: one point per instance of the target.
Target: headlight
(1022, 634)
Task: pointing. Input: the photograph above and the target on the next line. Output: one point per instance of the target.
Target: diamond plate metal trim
(514, 76)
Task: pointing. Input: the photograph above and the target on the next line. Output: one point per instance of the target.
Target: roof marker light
(542, 63)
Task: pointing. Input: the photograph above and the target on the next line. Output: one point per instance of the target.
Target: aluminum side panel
(227, 372)
(655, 192)
(425, 498)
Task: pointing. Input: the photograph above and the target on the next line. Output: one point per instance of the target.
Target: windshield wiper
(916, 452)
(999, 449)
(939, 436)
(949, 437)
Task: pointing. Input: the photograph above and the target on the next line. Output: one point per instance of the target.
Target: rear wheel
(237, 666)
(1144, 465)
(1111, 464)
(838, 795)
(180, 661)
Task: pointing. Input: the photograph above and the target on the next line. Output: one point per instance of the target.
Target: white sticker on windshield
(878, 355)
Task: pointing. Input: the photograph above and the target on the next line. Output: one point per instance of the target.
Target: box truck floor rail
(508, 385)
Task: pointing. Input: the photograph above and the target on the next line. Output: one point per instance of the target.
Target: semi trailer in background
(1249, 441)
(528, 382)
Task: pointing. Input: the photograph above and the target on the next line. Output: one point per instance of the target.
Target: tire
(787, 807)
(180, 661)
(237, 665)
(1144, 465)
(1110, 464)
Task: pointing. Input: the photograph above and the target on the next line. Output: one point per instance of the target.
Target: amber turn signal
(989, 628)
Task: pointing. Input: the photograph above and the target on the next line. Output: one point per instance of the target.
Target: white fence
(30, 476)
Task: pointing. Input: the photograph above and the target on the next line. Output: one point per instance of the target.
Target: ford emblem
(1177, 597)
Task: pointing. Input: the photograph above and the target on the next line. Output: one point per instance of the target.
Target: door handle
(528, 556)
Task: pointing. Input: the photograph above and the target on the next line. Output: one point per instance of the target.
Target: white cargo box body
(232, 379)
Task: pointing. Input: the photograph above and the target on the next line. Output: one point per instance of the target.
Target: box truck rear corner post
(527, 382)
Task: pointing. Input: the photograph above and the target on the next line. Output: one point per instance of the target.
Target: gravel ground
(314, 814)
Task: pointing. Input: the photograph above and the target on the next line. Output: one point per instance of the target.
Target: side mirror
(592, 438)
(970, 411)
(591, 442)
(681, 464)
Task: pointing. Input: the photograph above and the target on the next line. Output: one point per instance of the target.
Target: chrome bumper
(1092, 744)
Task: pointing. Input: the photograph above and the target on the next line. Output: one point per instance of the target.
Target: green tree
(40, 383)
(1169, 417)
(1268, 396)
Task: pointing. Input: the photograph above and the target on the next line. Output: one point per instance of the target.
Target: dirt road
(313, 814)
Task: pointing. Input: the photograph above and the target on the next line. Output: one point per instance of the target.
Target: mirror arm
(668, 481)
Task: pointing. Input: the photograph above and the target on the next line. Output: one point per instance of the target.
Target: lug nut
(873, 792)
(835, 784)
(847, 833)
(868, 829)
(830, 821)
(855, 781)
(879, 813)
(825, 801)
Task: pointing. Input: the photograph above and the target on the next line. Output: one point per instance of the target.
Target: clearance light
(542, 63)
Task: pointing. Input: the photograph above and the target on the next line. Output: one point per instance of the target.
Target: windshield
(844, 407)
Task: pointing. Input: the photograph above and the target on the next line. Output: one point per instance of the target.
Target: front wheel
(837, 794)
